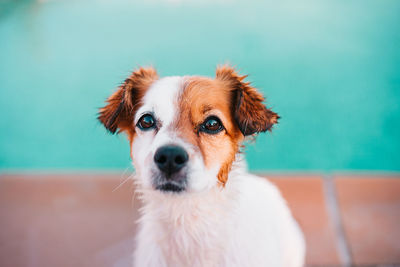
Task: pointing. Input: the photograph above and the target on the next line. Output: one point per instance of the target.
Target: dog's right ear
(122, 105)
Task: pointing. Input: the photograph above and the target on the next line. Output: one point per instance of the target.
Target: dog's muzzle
(170, 160)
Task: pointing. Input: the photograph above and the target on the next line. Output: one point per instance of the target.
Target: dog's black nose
(170, 159)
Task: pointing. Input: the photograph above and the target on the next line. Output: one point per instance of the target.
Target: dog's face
(185, 132)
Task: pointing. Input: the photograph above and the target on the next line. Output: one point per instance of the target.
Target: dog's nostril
(179, 160)
(162, 159)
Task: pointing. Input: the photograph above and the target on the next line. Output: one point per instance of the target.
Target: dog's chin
(175, 183)
(171, 187)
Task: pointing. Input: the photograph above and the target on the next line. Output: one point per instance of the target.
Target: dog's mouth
(173, 183)
(170, 187)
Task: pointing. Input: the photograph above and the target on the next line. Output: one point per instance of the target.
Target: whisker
(124, 181)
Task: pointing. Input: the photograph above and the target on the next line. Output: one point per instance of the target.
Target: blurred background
(331, 69)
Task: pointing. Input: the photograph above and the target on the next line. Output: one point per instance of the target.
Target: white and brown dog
(200, 205)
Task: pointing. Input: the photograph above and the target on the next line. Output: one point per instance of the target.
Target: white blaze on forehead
(161, 99)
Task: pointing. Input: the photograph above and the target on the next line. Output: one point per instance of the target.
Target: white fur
(159, 101)
(245, 223)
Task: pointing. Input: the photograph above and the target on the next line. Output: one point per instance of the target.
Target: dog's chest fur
(192, 231)
(245, 224)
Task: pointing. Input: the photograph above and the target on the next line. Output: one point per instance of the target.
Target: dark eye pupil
(146, 122)
(212, 125)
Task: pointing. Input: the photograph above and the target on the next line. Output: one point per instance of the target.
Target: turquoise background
(331, 69)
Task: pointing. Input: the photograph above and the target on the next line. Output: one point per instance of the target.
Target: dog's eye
(146, 122)
(212, 125)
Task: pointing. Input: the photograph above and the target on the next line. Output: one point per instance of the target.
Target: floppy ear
(250, 114)
(122, 105)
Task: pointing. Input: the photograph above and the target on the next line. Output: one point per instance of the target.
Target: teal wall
(331, 69)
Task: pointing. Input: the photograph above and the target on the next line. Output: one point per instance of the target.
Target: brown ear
(250, 113)
(122, 105)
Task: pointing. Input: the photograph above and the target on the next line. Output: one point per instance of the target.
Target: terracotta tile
(370, 208)
(305, 197)
(65, 220)
(77, 220)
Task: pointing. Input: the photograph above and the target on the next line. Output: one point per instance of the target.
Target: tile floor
(88, 219)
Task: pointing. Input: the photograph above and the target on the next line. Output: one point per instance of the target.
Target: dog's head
(185, 132)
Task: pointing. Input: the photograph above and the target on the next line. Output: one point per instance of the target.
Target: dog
(200, 205)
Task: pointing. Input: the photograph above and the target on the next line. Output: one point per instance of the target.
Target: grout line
(334, 214)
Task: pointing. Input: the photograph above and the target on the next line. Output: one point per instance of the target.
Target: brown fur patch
(239, 106)
(201, 98)
(122, 105)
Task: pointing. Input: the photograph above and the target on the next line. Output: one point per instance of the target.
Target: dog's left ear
(251, 115)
